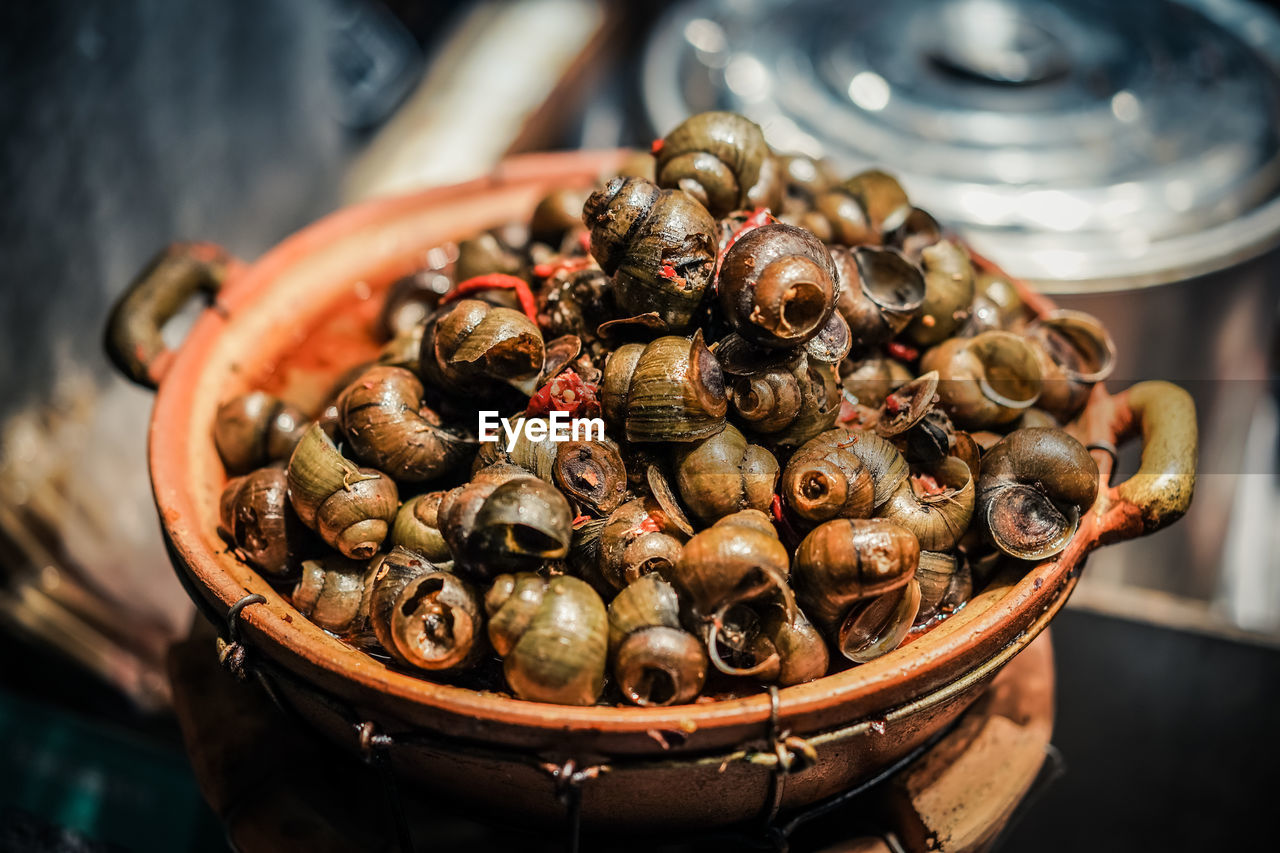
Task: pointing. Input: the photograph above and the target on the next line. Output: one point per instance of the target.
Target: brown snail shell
(716, 157)
(778, 285)
(738, 559)
(1033, 486)
(472, 347)
(824, 480)
(495, 251)
(882, 197)
(937, 519)
(558, 213)
(389, 427)
(786, 405)
(1076, 352)
(945, 583)
(425, 617)
(986, 380)
(456, 515)
(409, 302)
(879, 626)
(669, 390)
(255, 514)
(655, 661)
(768, 645)
(723, 474)
(844, 561)
(417, 527)
(638, 539)
(350, 507)
(871, 380)
(881, 292)
(591, 473)
(916, 232)
(552, 635)
(333, 592)
(948, 294)
(659, 246)
(255, 429)
(520, 524)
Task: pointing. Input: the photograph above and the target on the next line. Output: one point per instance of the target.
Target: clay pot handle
(1163, 485)
(133, 337)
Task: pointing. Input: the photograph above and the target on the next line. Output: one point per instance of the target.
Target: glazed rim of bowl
(288, 291)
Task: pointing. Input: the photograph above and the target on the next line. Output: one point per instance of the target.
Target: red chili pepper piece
(497, 281)
(928, 485)
(892, 404)
(650, 524)
(567, 392)
(579, 520)
(656, 146)
(584, 240)
(901, 351)
(560, 265)
(776, 507)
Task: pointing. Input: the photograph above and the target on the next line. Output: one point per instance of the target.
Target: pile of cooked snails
(825, 425)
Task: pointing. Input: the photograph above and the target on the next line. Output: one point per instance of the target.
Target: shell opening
(1025, 524)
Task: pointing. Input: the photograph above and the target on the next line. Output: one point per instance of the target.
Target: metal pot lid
(1101, 142)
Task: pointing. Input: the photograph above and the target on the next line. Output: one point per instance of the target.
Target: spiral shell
(425, 617)
(637, 539)
(669, 390)
(778, 285)
(350, 507)
(659, 246)
(255, 514)
(716, 157)
(846, 561)
(417, 527)
(471, 347)
(948, 294)
(552, 636)
(724, 474)
(389, 427)
(655, 661)
(254, 429)
(986, 380)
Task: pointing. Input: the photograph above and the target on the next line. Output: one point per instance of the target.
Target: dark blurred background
(127, 125)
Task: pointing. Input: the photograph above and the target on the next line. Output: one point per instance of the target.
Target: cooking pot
(296, 318)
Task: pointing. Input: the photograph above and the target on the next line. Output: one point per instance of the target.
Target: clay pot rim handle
(134, 340)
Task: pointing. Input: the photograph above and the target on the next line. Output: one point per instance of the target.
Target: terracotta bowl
(291, 321)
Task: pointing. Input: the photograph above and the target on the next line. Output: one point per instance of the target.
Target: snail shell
(871, 380)
(948, 294)
(417, 527)
(552, 635)
(669, 390)
(786, 405)
(472, 347)
(655, 661)
(383, 416)
(844, 561)
(738, 559)
(879, 626)
(255, 514)
(1076, 352)
(350, 507)
(1033, 486)
(881, 293)
(778, 285)
(986, 380)
(716, 157)
(723, 474)
(842, 473)
(659, 246)
(592, 473)
(637, 539)
(333, 592)
(254, 429)
(425, 617)
(505, 518)
(937, 518)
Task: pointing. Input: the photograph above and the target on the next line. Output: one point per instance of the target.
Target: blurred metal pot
(1122, 156)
